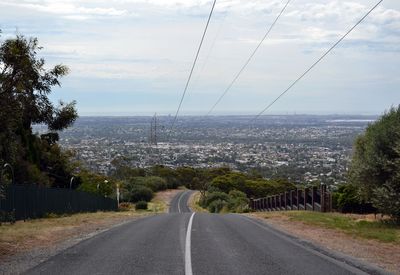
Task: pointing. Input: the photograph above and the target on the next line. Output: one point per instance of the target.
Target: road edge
(336, 255)
(31, 259)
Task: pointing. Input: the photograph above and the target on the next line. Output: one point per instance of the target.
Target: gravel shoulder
(384, 255)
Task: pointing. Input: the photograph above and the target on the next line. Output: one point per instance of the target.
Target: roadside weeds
(193, 203)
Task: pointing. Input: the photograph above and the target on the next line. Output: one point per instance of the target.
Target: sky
(133, 57)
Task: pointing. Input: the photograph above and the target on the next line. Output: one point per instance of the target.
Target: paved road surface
(182, 242)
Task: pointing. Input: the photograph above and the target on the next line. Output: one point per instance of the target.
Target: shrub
(125, 206)
(238, 202)
(211, 197)
(141, 193)
(141, 205)
(216, 206)
(155, 183)
(347, 200)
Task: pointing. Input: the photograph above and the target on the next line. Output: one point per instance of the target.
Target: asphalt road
(182, 242)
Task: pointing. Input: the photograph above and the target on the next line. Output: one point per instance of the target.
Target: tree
(95, 183)
(25, 85)
(375, 167)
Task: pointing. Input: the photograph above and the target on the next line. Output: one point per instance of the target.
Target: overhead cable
(193, 66)
(248, 60)
(315, 63)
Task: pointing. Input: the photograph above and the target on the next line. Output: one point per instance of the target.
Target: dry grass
(42, 233)
(357, 226)
(162, 200)
(23, 236)
(356, 235)
(194, 203)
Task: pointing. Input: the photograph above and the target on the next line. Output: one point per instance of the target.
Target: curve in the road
(186, 243)
(179, 203)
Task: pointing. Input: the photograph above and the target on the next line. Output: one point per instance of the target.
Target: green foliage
(170, 175)
(375, 167)
(25, 85)
(217, 201)
(155, 183)
(229, 182)
(216, 196)
(95, 183)
(347, 199)
(141, 205)
(217, 206)
(238, 202)
(186, 176)
(140, 193)
(252, 187)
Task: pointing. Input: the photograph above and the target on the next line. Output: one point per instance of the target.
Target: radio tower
(153, 130)
(155, 154)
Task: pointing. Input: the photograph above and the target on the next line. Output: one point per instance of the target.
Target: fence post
(323, 199)
(298, 199)
(278, 201)
(269, 204)
(285, 201)
(313, 197)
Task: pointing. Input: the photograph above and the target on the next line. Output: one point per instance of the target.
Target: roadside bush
(141, 205)
(141, 193)
(211, 197)
(217, 205)
(217, 201)
(125, 206)
(238, 202)
(347, 200)
(155, 183)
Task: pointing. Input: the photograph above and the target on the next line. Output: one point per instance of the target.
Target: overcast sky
(130, 57)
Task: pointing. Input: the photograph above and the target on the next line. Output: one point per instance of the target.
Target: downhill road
(182, 242)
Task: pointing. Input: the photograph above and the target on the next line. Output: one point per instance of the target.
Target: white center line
(179, 202)
(188, 253)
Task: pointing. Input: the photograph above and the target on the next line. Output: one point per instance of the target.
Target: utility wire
(248, 60)
(210, 51)
(193, 66)
(319, 60)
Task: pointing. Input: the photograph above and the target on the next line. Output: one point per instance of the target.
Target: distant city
(301, 148)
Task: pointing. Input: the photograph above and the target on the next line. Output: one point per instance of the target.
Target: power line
(194, 64)
(315, 63)
(248, 60)
(210, 50)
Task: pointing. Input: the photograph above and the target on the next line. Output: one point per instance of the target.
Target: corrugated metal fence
(22, 202)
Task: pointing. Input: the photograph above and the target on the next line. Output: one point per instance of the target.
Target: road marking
(179, 202)
(188, 253)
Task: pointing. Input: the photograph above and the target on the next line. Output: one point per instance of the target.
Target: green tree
(95, 183)
(25, 85)
(375, 167)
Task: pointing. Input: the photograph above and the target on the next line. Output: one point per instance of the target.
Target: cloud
(154, 41)
(67, 9)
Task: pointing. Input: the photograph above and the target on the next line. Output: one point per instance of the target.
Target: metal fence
(22, 202)
(313, 199)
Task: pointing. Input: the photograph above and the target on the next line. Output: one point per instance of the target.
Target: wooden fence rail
(312, 199)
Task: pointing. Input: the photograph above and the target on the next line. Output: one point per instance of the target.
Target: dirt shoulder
(193, 203)
(162, 200)
(383, 254)
(26, 244)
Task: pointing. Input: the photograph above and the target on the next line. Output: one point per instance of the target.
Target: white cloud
(67, 9)
(136, 49)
